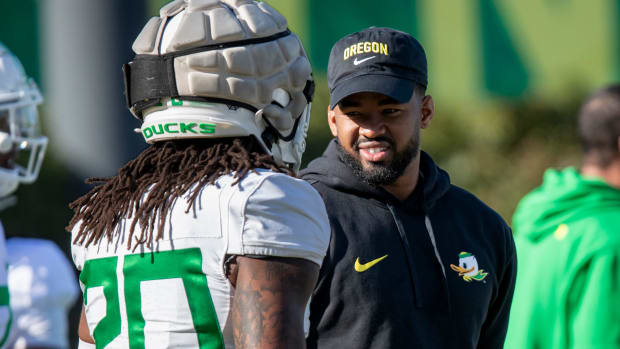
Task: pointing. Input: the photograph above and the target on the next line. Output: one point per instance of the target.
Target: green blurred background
(507, 78)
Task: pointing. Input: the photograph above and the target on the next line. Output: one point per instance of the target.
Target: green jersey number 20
(184, 265)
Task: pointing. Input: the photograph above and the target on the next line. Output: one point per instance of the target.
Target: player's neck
(610, 174)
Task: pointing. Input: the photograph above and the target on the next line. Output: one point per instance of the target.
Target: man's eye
(391, 111)
(353, 114)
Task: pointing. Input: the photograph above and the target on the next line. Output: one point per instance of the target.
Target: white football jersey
(175, 294)
(43, 287)
(5, 311)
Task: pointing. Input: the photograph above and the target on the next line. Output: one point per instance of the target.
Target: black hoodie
(436, 270)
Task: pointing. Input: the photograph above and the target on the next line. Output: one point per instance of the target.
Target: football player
(19, 97)
(206, 239)
(41, 284)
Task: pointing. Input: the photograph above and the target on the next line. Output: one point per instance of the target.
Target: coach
(413, 262)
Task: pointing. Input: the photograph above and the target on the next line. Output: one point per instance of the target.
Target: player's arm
(270, 300)
(83, 331)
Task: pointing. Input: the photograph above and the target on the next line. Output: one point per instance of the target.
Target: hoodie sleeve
(494, 329)
(593, 303)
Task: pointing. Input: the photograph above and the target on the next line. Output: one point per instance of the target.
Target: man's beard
(380, 173)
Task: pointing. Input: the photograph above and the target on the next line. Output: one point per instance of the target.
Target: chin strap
(7, 202)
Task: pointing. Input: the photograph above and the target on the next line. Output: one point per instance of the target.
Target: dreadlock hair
(599, 126)
(166, 171)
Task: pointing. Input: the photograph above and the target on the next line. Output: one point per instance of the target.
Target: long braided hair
(166, 171)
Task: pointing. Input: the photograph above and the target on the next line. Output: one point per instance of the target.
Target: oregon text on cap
(365, 47)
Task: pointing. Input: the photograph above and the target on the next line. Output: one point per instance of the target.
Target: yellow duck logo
(468, 268)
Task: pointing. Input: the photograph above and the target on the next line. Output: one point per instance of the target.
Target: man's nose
(373, 126)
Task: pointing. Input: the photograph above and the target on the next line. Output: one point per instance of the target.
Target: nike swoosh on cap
(356, 62)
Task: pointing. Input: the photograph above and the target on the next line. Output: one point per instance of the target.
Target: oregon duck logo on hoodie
(468, 268)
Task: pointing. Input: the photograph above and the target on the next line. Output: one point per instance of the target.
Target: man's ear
(331, 120)
(427, 111)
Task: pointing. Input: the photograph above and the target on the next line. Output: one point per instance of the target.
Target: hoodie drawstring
(431, 234)
(405, 241)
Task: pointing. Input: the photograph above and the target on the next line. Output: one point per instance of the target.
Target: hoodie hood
(331, 170)
(563, 197)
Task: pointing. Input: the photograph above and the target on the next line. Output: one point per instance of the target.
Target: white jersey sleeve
(5, 311)
(277, 215)
(78, 252)
(43, 287)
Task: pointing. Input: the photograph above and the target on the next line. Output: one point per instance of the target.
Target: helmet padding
(238, 53)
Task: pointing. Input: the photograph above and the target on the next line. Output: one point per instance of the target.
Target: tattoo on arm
(269, 302)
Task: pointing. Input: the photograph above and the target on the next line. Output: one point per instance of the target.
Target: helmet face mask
(245, 75)
(22, 147)
(289, 148)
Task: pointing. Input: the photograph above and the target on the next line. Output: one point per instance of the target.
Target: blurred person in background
(206, 239)
(414, 261)
(41, 283)
(567, 233)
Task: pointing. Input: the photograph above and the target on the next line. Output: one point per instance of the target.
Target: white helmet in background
(214, 69)
(22, 147)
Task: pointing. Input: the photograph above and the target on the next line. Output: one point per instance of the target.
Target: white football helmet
(213, 69)
(22, 147)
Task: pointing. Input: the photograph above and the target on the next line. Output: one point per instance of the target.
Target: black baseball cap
(382, 60)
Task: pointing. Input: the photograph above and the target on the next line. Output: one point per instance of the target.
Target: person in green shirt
(567, 233)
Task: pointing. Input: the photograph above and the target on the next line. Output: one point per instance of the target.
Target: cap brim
(398, 88)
